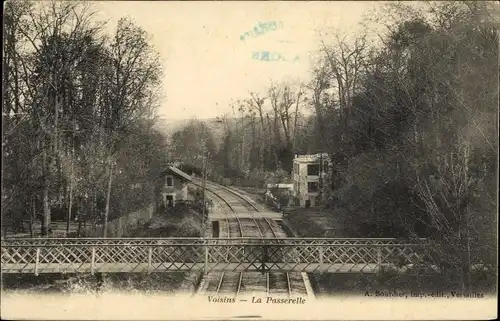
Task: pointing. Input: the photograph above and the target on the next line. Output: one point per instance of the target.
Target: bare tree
(72, 96)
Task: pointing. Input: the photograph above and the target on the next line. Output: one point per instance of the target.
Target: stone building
(174, 187)
(308, 174)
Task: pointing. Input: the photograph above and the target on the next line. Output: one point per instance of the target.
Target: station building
(308, 175)
(174, 187)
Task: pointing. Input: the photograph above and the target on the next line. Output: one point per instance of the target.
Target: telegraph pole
(204, 180)
(320, 192)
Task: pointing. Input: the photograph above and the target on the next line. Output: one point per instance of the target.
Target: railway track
(234, 201)
(248, 283)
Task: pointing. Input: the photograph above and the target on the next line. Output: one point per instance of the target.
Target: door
(170, 201)
(308, 203)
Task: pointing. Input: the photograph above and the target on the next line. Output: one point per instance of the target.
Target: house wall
(301, 180)
(179, 188)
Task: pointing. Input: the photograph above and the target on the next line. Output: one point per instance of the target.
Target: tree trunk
(79, 231)
(93, 206)
(242, 152)
(294, 137)
(467, 260)
(262, 134)
(108, 196)
(46, 210)
(320, 182)
(70, 192)
(45, 198)
(32, 217)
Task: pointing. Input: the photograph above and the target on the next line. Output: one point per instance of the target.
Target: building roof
(178, 172)
(310, 158)
(280, 185)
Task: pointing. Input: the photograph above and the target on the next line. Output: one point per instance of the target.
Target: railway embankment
(178, 224)
(310, 222)
(103, 283)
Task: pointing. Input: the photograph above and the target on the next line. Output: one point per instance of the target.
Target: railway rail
(249, 283)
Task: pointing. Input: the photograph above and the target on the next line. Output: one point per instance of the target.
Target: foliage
(185, 224)
(78, 113)
(412, 132)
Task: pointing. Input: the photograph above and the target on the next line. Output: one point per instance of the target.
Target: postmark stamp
(261, 28)
(265, 55)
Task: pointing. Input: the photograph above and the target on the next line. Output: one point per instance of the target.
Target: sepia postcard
(257, 160)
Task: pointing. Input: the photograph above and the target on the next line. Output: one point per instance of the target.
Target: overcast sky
(207, 63)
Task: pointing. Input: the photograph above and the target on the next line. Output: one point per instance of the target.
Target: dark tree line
(412, 130)
(78, 114)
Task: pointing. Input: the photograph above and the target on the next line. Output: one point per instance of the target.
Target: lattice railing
(194, 240)
(243, 254)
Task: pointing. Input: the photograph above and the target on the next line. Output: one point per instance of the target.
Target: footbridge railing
(115, 255)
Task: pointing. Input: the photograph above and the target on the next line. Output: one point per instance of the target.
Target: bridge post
(206, 259)
(37, 259)
(92, 264)
(379, 259)
(320, 258)
(150, 258)
(264, 258)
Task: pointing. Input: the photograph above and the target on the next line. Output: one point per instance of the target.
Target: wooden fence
(119, 226)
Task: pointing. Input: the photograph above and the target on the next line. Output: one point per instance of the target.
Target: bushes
(185, 223)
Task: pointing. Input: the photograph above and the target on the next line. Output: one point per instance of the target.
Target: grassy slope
(312, 222)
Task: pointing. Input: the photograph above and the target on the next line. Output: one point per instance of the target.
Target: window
(313, 169)
(170, 181)
(312, 187)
